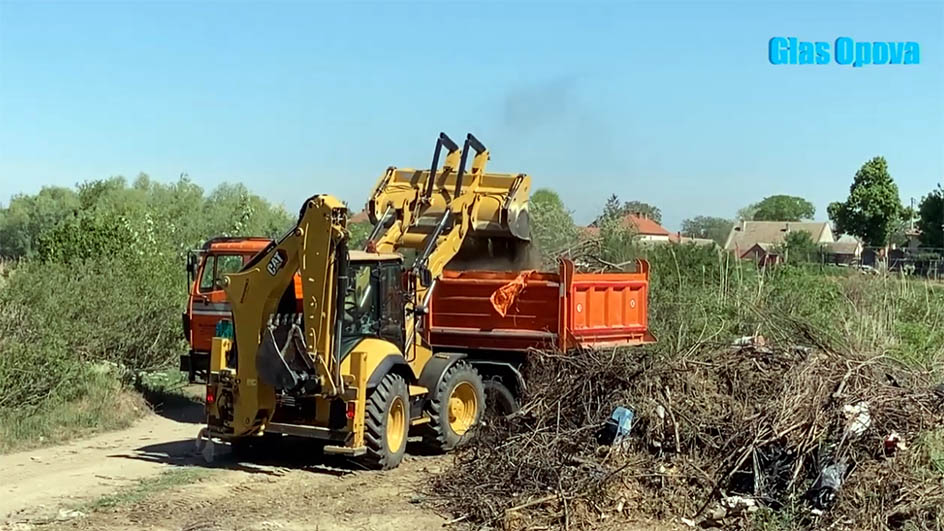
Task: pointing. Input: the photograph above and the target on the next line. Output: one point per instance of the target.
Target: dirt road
(138, 472)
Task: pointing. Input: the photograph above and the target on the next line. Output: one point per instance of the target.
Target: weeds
(147, 487)
(103, 404)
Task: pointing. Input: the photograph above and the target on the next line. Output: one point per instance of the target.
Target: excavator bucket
(419, 198)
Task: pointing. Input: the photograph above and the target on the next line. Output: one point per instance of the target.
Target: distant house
(360, 217)
(747, 234)
(644, 228)
(913, 237)
(846, 250)
(763, 254)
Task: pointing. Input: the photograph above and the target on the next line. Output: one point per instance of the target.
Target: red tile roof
(360, 217)
(645, 226)
(641, 225)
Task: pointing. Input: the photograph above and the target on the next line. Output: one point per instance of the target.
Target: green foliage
(615, 208)
(101, 280)
(713, 228)
(552, 226)
(57, 318)
(931, 219)
(873, 206)
(798, 247)
(28, 216)
(779, 208)
(97, 401)
(359, 233)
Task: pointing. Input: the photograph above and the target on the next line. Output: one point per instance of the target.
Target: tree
(747, 213)
(873, 206)
(931, 219)
(650, 211)
(713, 228)
(614, 208)
(799, 247)
(359, 231)
(28, 216)
(552, 225)
(779, 208)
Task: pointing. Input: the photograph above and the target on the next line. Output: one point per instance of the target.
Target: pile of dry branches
(722, 437)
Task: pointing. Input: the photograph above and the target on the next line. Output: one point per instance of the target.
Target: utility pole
(911, 215)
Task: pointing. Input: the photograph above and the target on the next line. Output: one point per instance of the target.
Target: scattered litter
(739, 504)
(750, 341)
(859, 417)
(824, 491)
(69, 514)
(617, 427)
(894, 444)
(660, 412)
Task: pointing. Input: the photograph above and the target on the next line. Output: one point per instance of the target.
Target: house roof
(844, 247)
(644, 225)
(765, 248)
(591, 231)
(746, 234)
(360, 217)
(641, 225)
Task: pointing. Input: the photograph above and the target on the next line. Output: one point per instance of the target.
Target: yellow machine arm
(255, 294)
(432, 213)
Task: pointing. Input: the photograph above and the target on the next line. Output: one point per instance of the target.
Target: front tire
(387, 423)
(456, 406)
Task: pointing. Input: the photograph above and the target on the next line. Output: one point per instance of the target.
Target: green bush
(100, 280)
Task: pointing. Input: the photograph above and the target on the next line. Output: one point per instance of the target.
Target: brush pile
(732, 437)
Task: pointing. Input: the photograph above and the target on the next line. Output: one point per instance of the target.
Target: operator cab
(374, 302)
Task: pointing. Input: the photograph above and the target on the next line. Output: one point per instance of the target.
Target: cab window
(373, 305)
(215, 267)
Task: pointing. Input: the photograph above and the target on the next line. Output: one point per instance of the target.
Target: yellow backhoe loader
(347, 360)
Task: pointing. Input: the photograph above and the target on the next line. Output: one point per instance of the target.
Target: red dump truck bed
(560, 310)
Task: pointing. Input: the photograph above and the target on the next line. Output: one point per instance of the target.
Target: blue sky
(670, 103)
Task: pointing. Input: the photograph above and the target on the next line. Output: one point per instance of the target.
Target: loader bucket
(500, 212)
(422, 200)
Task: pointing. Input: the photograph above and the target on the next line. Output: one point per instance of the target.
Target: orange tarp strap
(505, 296)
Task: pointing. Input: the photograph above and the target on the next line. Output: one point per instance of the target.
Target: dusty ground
(63, 487)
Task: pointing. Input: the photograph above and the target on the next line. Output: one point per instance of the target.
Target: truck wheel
(387, 422)
(499, 400)
(456, 406)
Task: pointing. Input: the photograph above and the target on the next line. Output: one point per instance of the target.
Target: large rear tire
(387, 423)
(457, 405)
(499, 400)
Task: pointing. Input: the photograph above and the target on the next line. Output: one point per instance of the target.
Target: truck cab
(206, 300)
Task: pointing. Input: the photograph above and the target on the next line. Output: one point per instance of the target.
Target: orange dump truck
(492, 317)
(206, 301)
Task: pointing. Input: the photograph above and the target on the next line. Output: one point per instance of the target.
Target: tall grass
(98, 401)
(701, 296)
